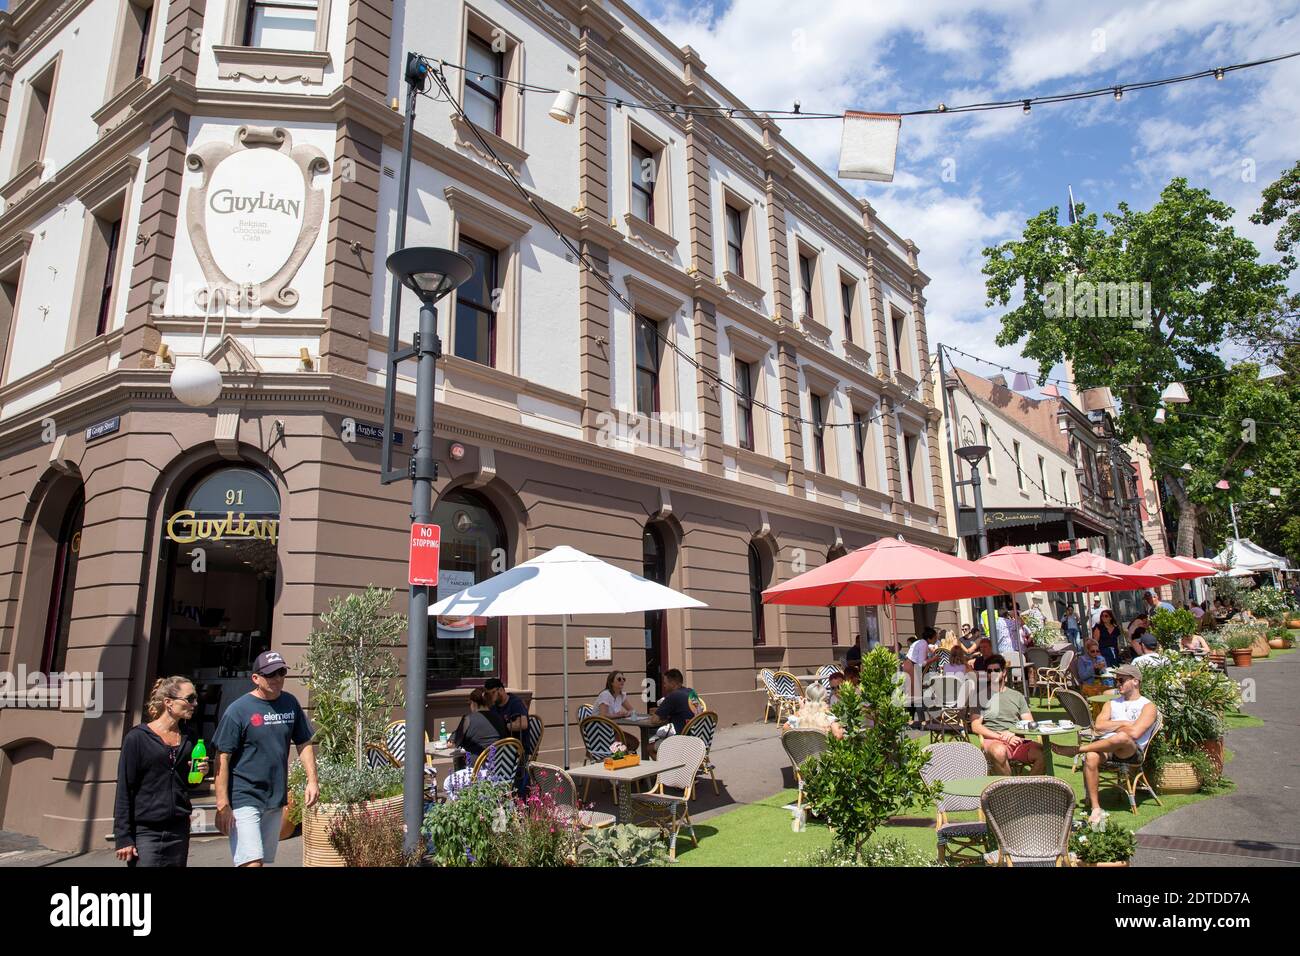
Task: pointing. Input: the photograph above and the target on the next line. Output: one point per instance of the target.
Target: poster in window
(456, 628)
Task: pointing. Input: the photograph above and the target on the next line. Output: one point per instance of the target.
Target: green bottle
(199, 752)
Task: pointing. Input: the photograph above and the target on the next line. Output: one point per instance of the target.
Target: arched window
(760, 570)
(466, 651)
(58, 619)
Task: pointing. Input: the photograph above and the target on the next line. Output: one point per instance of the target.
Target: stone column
(593, 199)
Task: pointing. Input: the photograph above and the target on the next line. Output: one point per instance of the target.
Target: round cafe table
(969, 786)
(1045, 734)
(1098, 701)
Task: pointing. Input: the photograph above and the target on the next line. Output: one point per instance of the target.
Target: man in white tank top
(1125, 725)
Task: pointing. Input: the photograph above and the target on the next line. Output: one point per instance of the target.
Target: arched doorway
(655, 567)
(220, 575)
(464, 652)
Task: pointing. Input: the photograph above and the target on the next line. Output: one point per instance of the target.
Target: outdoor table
(644, 723)
(622, 779)
(1045, 736)
(969, 786)
(1098, 701)
(455, 754)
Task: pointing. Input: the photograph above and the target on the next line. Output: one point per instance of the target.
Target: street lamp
(430, 274)
(973, 455)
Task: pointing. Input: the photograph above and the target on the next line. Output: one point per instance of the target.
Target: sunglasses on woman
(191, 699)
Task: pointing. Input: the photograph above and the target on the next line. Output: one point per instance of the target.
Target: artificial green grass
(759, 834)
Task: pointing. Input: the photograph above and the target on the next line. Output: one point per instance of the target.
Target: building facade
(218, 179)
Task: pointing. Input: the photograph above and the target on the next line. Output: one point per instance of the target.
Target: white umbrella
(562, 581)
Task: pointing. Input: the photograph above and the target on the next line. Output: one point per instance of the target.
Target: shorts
(255, 835)
(1020, 752)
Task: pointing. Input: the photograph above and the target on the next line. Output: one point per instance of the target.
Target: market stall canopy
(1242, 553)
(1052, 574)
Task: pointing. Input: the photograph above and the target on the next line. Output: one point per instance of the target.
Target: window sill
(744, 290)
(857, 355)
(756, 460)
(284, 66)
(511, 155)
(815, 330)
(650, 235)
(119, 104)
(14, 191)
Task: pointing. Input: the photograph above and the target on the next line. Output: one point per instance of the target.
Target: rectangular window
(648, 359)
(483, 91)
(807, 271)
(1020, 472)
(735, 241)
(142, 19)
(745, 405)
(860, 446)
(909, 452)
(281, 24)
(1065, 489)
(475, 335)
(105, 315)
(898, 320)
(8, 302)
(819, 432)
(643, 173)
(1042, 477)
(40, 93)
(846, 307)
(985, 437)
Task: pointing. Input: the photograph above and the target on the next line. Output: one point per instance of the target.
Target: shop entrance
(219, 587)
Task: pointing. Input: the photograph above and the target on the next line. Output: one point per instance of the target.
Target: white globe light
(196, 382)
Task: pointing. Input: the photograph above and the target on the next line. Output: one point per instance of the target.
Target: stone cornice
(147, 390)
(37, 21)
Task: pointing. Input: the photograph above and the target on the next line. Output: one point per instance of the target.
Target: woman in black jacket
(151, 815)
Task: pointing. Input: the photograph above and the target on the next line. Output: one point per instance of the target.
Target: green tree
(1206, 285)
(874, 771)
(352, 673)
(1281, 200)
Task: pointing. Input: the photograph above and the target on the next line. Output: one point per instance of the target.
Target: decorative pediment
(819, 380)
(231, 355)
(656, 302)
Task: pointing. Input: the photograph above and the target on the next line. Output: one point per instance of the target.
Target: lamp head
(973, 454)
(428, 272)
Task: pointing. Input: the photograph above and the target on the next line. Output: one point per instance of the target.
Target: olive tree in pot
(352, 676)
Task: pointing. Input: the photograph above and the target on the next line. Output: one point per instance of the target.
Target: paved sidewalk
(1257, 824)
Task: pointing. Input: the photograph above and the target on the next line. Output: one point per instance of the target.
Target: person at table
(1106, 634)
(914, 666)
(1125, 726)
(675, 707)
(512, 711)
(835, 682)
(958, 664)
(613, 703)
(996, 723)
(969, 641)
(983, 651)
(481, 727)
(1193, 644)
(1141, 621)
(1197, 611)
(1009, 639)
(1150, 653)
(1088, 667)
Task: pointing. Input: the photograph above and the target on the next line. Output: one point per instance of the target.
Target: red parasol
(1175, 567)
(1052, 574)
(1129, 578)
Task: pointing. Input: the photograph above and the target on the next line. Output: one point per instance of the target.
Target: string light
(1119, 92)
(1026, 102)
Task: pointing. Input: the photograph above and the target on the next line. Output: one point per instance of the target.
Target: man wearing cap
(1146, 643)
(1125, 725)
(253, 741)
(512, 711)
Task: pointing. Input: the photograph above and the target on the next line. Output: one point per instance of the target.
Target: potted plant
(1193, 699)
(1107, 844)
(1169, 627)
(1239, 641)
(1218, 648)
(352, 676)
(619, 757)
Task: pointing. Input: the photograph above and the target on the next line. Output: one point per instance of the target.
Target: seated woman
(477, 731)
(1193, 644)
(815, 714)
(958, 663)
(1086, 668)
(612, 703)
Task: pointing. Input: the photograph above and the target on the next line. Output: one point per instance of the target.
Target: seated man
(1147, 644)
(996, 723)
(1125, 725)
(675, 707)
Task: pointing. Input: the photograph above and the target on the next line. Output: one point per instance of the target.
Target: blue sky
(1233, 137)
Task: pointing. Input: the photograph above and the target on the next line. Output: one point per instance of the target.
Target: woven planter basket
(1259, 648)
(317, 820)
(1177, 778)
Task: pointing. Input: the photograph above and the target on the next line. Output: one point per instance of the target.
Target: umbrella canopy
(1175, 568)
(890, 571)
(1244, 553)
(1129, 579)
(561, 581)
(1052, 574)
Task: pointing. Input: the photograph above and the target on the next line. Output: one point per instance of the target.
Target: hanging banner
(869, 146)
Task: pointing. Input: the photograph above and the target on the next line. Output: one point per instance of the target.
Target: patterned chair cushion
(952, 831)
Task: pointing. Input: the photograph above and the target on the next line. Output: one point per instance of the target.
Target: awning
(1024, 526)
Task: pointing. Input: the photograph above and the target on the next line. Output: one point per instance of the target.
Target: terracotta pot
(1214, 750)
(1177, 778)
(1277, 644)
(317, 820)
(1216, 658)
(1242, 656)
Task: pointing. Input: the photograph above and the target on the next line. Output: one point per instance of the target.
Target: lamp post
(430, 274)
(973, 455)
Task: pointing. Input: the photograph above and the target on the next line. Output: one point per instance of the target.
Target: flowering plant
(1106, 842)
(617, 750)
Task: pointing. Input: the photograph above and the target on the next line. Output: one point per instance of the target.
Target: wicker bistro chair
(1080, 714)
(598, 735)
(801, 746)
(949, 718)
(788, 694)
(659, 809)
(1030, 817)
(556, 783)
(765, 675)
(501, 761)
(965, 842)
(533, 737)
(585, 711)
(1051, 680)
(1017, 671)
(394, 750)
(704, 725)
(1131, 773)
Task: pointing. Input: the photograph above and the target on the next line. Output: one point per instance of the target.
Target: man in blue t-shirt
(253, 740)
(512, 711)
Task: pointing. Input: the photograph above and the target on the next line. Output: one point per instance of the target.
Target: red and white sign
(426, 544)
